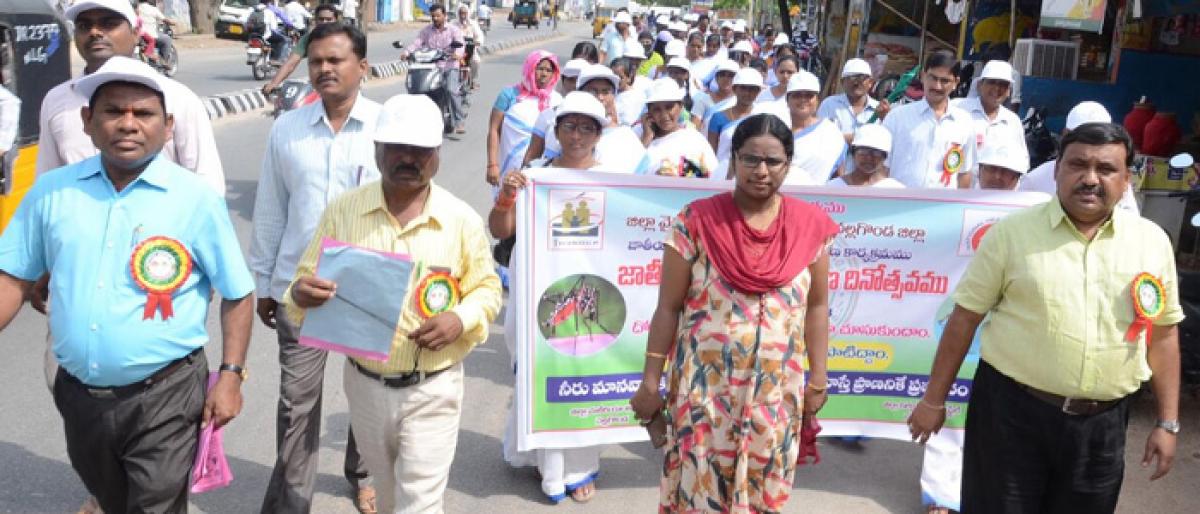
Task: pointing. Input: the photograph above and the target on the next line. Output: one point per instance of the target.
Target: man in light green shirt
(1064, 346)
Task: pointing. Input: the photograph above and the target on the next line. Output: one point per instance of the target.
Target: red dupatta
(756, 261)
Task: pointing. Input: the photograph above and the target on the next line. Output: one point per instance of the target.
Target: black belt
(1070, 406)
(398, 381)
(131, 389)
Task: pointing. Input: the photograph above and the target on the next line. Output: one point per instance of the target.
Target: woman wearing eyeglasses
(742, 314)
(578, 128)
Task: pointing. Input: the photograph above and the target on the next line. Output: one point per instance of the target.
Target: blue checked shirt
(76, 226)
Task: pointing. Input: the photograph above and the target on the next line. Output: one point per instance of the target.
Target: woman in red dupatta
(742, 313)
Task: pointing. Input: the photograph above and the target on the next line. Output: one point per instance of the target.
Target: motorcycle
(258, 56)
(485, 24)
(425, 78)
(292, 94)
(168, 61)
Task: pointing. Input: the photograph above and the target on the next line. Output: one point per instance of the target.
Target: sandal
(91, 506)
(584, 493)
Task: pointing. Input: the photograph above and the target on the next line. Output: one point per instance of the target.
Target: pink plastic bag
(211, 470)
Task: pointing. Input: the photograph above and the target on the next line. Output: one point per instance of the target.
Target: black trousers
(1023, 455)
(135, 453)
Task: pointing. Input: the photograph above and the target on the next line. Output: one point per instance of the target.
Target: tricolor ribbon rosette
(160, 266)
(1149, 302)
(951, 163)
(437, 293)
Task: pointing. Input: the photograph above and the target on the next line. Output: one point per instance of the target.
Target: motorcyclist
(298, 15)
(325, 13)
(484, 14)
(275, 26)
(150, 17)
(439, 35)
(470, 29)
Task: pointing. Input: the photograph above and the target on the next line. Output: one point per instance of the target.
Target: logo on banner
(975, 224)
(576, 220)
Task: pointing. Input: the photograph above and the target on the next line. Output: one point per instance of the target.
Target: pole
(962, 29)
(924, 20)
(1012, 25)
(785, 18)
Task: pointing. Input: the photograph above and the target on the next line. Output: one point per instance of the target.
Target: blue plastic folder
(360, 320)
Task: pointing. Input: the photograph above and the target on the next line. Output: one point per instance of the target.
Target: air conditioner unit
(1050, 59)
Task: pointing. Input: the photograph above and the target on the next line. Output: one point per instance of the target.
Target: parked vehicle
(168, 58)
(426, 78)
(526, 13)
(1041, 143)
(33, 64)
(231, 18)
(292, 94)
(600, 20)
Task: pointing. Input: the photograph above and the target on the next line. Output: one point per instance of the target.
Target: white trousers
(563, 469)
(407, 437)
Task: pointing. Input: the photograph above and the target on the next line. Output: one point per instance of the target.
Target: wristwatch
(1171, 426)
(234, 368)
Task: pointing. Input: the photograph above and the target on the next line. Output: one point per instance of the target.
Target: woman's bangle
(656, 355)
(817, 389)
(932, 406)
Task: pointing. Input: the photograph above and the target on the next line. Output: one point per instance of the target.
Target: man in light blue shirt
(134, 245)
(314, 154)
(854, 107)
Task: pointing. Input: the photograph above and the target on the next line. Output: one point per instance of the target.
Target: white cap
(662, 19)
(675, 48)
(781, 39)
(748, 77)
(997, 70)
(691, 17)
(409, 120)
(665, 35)
(804, 80)
(578, 102)
(122, 7)
(574, 67)
(726, 25)
(634, 49)
(727, 65)
(119, 69)
(677, 26)
(739, 25)
(597, 71)
(1087, 112)
(778, 109)
(856, 66)
(622, 17)
(873, 135)
(1000, 152)
(742, 46)
(664, 90)
(681, 63)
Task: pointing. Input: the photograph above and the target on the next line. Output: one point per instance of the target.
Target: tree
(204, 15)
(721, 5)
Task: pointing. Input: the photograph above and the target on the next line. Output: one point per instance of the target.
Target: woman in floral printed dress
(742, 308)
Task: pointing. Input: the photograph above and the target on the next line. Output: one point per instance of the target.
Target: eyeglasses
(105, 23)
(856, 79)
(752, 161)
(584, 128)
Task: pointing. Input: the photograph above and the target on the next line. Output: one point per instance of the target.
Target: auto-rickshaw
(600, 20)
(35, 56)
(526, 13)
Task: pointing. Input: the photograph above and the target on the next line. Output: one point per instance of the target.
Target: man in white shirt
(470, 29)
(349, 9)
(1042, 177)
(933, 143)
(485, 12)
(298, 14)
(314, 154)
(10, 118)
(104, 28)
(854, 107)
(151, 16)
(992, 119)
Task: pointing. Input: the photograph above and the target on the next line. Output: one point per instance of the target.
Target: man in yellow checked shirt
(1083, 302)
(405, 412)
